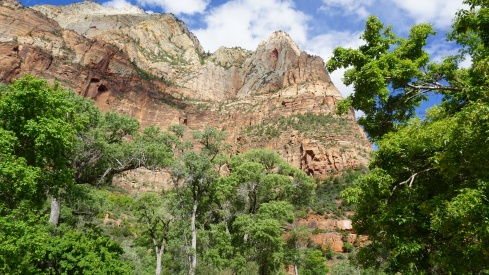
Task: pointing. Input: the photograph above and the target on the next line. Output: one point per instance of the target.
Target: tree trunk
(55, 210)
(193, 263)
(159, 254)
(295, 269)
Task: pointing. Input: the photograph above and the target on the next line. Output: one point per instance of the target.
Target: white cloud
(117, 3)
(359, 8)
(438, 12)
(176, 7)
(245, 23)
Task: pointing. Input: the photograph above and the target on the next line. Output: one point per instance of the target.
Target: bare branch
(434, 87)
(411, 179)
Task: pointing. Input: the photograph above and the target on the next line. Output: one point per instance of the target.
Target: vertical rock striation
(152, 67)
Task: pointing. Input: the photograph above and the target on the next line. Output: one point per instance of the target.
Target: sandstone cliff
(152, 67)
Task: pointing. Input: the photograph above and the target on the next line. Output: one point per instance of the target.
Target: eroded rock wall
(151, 67)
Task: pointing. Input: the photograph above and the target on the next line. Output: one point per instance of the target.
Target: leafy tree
(88, 252)
(37, 122)
(192, 177)
(262, 176)
(314, 264)
(424, 205)
(24, 242)
(385, 72)
(298, 238)
(29, 247)
(19, 181)
(155, 220)
(212, 141)
(260, 239)
(100, 151)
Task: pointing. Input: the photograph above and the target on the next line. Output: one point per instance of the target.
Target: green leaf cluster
(424, 205)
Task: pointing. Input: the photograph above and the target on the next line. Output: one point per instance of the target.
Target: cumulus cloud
(117, 3)
(176, 7)
(359, 8)
(438, 12)
(245, 23)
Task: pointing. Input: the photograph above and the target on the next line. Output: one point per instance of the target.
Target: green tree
(314, 264)
(385, 72)
(260, 194)
(424, 205)
(85, 252)
(260, 239)
(212, 141)
(38, 121)
(24, 242)
(30, 247)
(155, 220)
(192, 176)
(298, 238)
(262, 176)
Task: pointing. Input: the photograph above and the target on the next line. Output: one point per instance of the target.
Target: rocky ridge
(152, 67)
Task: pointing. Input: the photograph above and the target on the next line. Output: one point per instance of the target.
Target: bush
(314, 264)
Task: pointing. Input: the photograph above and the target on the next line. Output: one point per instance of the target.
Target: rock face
(152, 67)
(332, 233)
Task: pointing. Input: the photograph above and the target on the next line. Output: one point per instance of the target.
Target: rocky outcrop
(330, 233)
(151, 67)
(158, 43)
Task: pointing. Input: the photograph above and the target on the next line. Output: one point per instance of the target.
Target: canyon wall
(152, 67)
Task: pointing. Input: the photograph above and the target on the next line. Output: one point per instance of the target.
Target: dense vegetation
(223, 215)
(424, 204)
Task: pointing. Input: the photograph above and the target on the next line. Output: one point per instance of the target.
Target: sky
(317, 26)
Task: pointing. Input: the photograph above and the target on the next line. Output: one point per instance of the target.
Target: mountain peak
(92, 8)
(281, 38)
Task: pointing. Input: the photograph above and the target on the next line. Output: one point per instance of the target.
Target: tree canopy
(424, 205)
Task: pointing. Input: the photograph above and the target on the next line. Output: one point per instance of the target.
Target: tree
(385, 72)
(192, 177)
(155, 221)
(314, 263)
(298, 238)
(24, 242)
(30, 247)
(262, 176)
(85, 252)
(424, 205)
(260, 193)
(38, 122)
(18, 179)
(259, 237)
(212, 141)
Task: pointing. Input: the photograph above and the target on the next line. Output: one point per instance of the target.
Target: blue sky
(317, 26)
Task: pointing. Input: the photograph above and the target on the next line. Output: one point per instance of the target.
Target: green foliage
(313, 125)
(262, 176)
(18, 179)
(212, 141)
(86, 252)
(384, 62)
(24, 243)
(37, 125)
(314, 264)
(424, 205)
(30, 247)
(327, 193)
(60, 144)
(260, 239)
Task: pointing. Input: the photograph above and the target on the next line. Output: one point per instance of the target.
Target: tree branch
(436, 87)
(411, 179)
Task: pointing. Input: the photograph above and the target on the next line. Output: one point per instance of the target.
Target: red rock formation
(241, 89)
